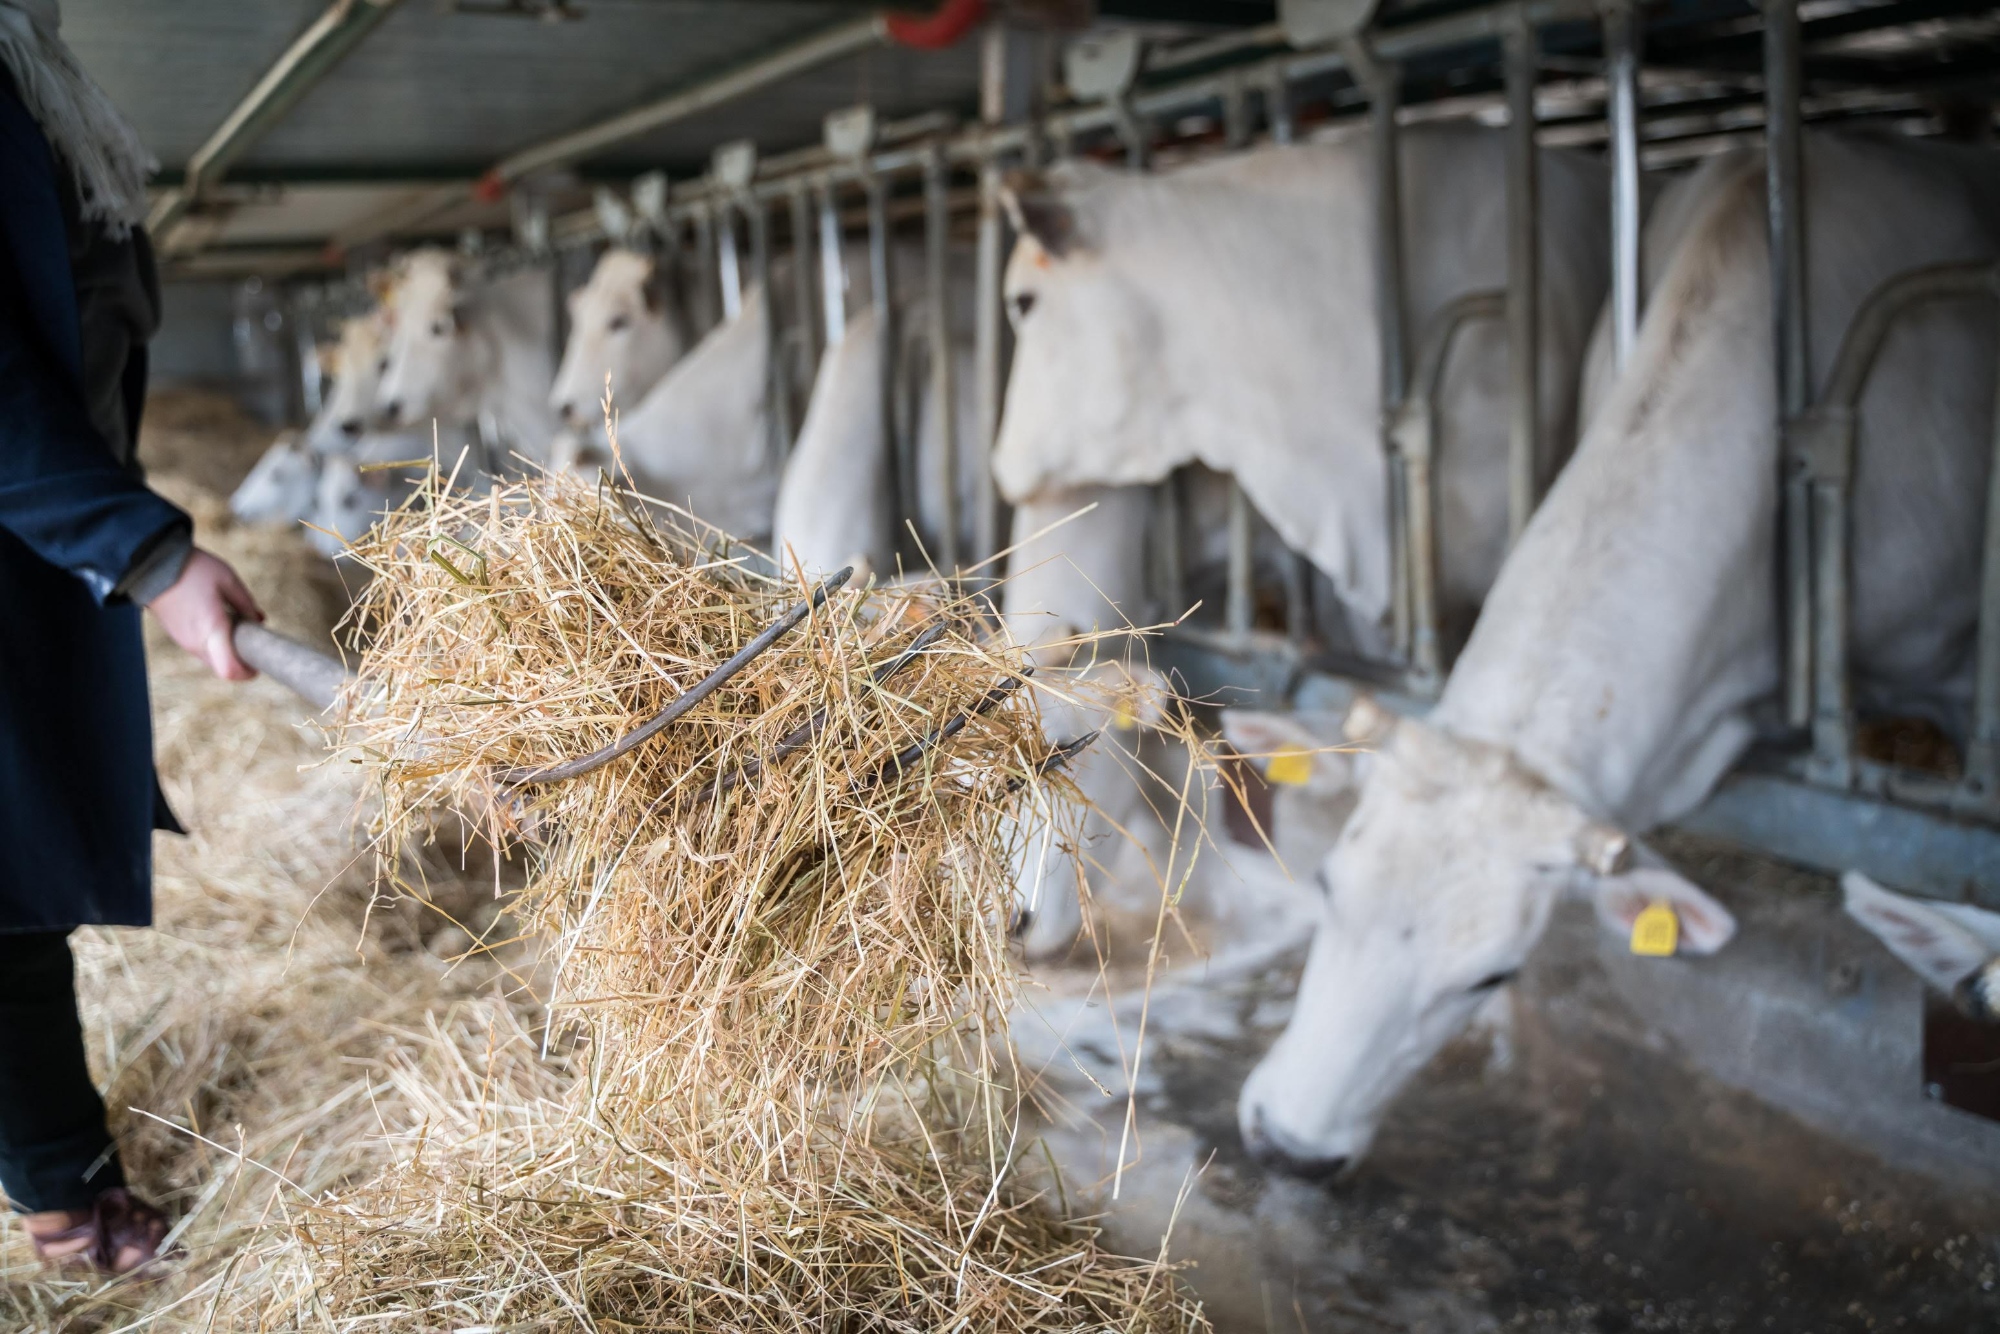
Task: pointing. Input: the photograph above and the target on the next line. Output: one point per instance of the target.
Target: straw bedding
(745, 1066)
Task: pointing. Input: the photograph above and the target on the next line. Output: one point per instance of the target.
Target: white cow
(837, 503)
(1609, 683)
(469, 351)
(1954, 947)
(702, 438)
(1222, 312)
(625, 330)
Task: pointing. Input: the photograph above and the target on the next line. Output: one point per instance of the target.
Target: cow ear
(1941, 951)
(327, 354)
(382, 286)
(1291, 752)
(1705, 925)
(1367, 723)
(1036, 209)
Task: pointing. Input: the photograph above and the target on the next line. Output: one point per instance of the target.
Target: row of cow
(1617, 660)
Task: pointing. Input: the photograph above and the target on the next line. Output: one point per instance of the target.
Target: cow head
(624, 328)
(281, 487)
(1089, 399)
(1440, 884)
(432, 363)
(354, 364)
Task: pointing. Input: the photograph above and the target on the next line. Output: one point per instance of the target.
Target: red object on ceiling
(936, 31)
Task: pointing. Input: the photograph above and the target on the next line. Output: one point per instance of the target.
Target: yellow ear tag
(1123, 718)
(1291, 766)
(1656, 932)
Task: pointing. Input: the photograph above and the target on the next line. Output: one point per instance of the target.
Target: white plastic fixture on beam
(1309, 23)
(735, 164)
(1102, 67)
(851, 132)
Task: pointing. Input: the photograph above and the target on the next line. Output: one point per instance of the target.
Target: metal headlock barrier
(1828, 808)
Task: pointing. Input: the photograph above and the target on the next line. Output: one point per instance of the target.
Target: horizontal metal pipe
(842, 39)
(310, 58)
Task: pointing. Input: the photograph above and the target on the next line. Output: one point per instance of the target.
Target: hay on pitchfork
(776, 890)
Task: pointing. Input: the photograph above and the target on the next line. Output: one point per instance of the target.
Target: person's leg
(55, 1152)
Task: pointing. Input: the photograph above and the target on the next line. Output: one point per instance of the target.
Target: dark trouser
(54, 1150)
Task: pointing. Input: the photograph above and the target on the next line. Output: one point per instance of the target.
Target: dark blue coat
(78, 797)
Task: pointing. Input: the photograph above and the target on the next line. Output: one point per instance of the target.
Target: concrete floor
(1613, 1172)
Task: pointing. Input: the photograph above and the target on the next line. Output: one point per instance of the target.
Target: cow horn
(1367, 722)
(1603, 849)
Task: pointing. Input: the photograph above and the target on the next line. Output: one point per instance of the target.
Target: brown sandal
(116, 1235)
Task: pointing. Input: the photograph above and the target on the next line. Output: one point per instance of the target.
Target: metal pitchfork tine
(896, 765)
(1055, 760)
(681, 706)
(803, 735)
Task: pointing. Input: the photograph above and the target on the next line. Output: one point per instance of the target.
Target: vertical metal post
(944, 388)
(1382, 82)
(777, 394)
(1784, 201)
(708, 282)
(989, 331)
(298, 314)
(1239, 595)
(805, 324)
(1622, 54)
(1279, 113)
(728, 267)
(1278, 108)
(832, 269)
(1524, 281)
(882, 294)
(1982, 755)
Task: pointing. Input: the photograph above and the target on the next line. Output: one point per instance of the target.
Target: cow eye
(1494, 980)
(1023, 303)
(619, 323)
(439, 329)
(382, 367)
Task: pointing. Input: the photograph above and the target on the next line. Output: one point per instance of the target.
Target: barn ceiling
(440, 90)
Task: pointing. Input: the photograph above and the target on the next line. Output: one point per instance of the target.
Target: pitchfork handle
(313, 676)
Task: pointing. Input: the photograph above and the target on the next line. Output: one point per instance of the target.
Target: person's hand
(202, 608)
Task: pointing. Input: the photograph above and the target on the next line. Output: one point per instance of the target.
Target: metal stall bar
(832, 269)
(707, 268)
(988, 333)
(1278, 113)
(1524, 283)
(805, 323)
(728, 264)
(1784, 202)
(944, 378)
(1622, 38)
(1981, 787)
(882, 293)
(777, 394)
(1381, 81)
(1415, 433)
(1238, 605)
(1821, 446)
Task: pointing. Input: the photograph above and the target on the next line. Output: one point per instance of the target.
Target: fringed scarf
(88, 134)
